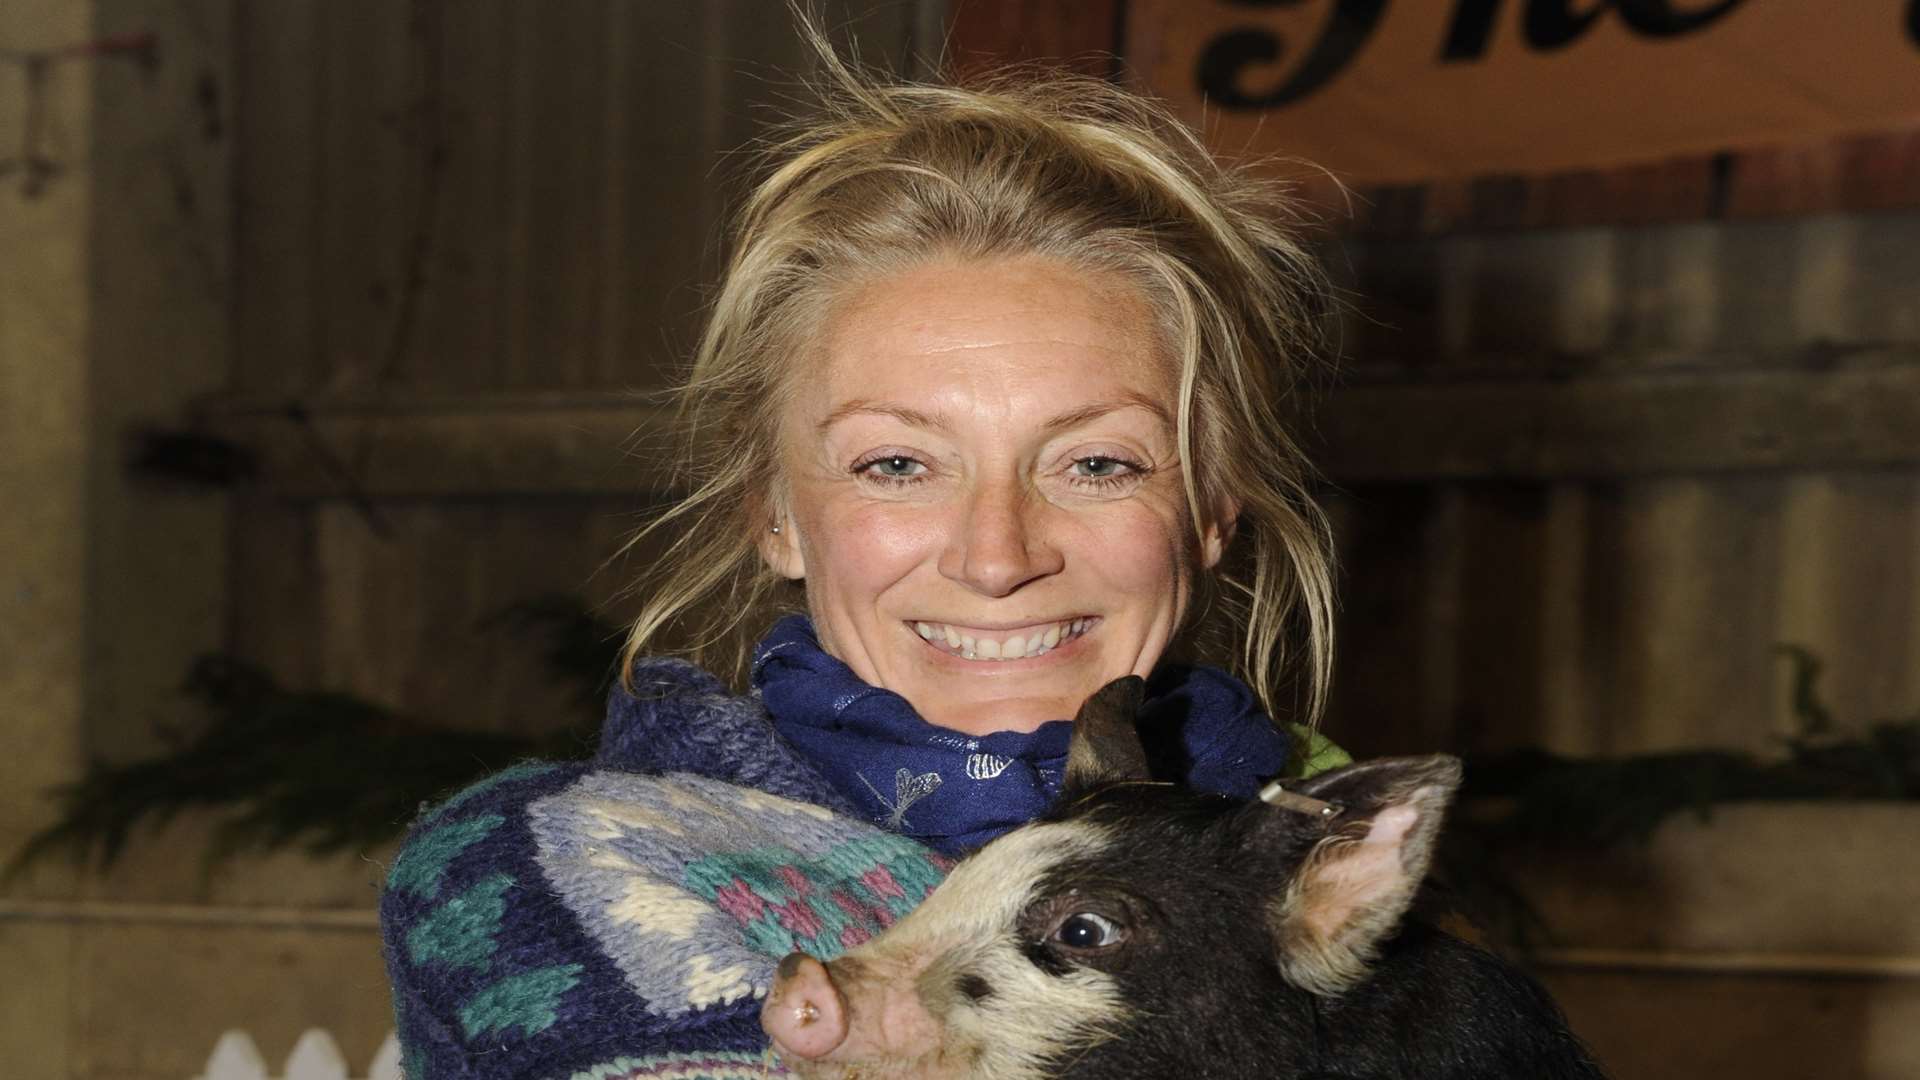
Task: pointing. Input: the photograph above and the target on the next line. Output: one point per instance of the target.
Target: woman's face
(984, 492)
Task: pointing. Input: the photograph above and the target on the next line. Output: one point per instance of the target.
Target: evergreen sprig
(1559, 801)
(324, 772)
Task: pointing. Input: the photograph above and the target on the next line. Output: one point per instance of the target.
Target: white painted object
(316, 1056)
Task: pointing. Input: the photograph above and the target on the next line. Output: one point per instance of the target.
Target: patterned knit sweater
(621, 919)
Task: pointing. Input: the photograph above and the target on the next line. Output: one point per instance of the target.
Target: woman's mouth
(969, 643)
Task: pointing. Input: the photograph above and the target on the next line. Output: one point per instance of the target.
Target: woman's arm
(556, 920)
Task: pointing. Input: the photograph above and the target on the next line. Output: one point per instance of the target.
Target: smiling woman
(983, 491)
(986, 415)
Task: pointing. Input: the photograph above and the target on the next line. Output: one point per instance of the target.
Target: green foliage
(325, 772)
(1532, 800)
(1596, 802)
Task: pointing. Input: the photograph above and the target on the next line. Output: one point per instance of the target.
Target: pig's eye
(1085, 930)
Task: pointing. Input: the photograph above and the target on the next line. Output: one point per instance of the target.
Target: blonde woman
(987, 405)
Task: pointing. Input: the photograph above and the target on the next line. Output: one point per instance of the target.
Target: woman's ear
(779, 545)
(1218, 532)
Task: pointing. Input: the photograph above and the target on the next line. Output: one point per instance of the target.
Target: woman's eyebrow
(1087, 413)
(861, 407)
(1072, 418)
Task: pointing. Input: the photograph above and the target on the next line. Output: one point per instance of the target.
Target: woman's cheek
(872, 541)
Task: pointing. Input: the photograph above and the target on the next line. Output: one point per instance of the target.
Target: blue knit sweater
(621, 918)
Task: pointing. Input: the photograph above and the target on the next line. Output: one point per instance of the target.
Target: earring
(776, 530)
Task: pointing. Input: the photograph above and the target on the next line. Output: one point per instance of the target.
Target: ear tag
(1276, 795)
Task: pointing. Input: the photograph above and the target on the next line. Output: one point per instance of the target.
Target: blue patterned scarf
(955, 791)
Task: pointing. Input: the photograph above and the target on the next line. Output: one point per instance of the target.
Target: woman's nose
(998, 543)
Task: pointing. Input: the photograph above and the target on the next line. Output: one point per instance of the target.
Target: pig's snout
(805, 1013)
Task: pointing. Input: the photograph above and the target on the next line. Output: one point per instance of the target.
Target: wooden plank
(563, 144)
(1849, 571)
(1650, 424)
(459, 326)
(368, 174)
(1864, 415)
(534, 444)
(394, 607)
(1684, 574)
(277, 110)
(1863, 173)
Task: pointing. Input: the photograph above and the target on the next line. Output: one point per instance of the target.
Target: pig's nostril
(804, 1014)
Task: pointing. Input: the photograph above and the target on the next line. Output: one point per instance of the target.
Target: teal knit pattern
(523, 1004)
(696, 888)
(620, 920)
(460, 933)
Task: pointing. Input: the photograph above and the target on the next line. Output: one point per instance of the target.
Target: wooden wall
(471, 239)
(1600, 441)
(1587, 473)
(1587, 467)
(1592, 475)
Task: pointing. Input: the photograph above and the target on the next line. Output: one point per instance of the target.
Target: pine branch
(324, 772)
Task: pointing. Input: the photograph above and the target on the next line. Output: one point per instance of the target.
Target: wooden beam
(1861, 173)
(1866, 415)
(520, 444)
(1863, 415)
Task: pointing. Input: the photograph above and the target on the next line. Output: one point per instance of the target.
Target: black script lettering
(1471, 29)
(1656, 18)
(1552, 24)
(1549, 25)
(1223, 63)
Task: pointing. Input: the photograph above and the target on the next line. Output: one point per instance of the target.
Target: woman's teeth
(970, 646)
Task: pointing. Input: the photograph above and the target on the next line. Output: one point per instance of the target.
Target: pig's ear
(1104, 746)
(1363, 869)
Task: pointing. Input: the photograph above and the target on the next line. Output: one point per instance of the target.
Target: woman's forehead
(1032, 335)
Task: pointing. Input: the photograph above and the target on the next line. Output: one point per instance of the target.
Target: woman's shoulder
(673, 716)
(556, 918)
(524, 911)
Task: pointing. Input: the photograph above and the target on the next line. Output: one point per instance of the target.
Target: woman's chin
(984, 696)
(1001, 714)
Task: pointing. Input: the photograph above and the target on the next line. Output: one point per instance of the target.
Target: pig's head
(1138, 929)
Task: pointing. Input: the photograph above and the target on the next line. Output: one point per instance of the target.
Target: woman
(992, 379)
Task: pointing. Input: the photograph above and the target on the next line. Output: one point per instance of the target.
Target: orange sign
(1396, 91)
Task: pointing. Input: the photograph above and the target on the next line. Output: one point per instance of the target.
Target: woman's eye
(1102, 470)
(892, 467)
(1085, 930)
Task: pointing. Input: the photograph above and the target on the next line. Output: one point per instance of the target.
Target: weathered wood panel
(413, 619)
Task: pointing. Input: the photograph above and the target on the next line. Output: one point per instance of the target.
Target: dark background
(326, 331)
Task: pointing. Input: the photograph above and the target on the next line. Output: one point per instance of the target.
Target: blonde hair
(1020, 163)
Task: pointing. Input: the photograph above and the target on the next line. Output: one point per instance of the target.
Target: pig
(1142, 930)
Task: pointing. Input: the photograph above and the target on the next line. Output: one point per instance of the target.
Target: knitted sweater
(621, 918)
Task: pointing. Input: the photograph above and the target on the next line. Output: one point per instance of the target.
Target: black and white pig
(1142, 930)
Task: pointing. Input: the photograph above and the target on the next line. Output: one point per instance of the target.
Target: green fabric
(462, 931)
(1313, 753)
(425, 858)
(528, 1001)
